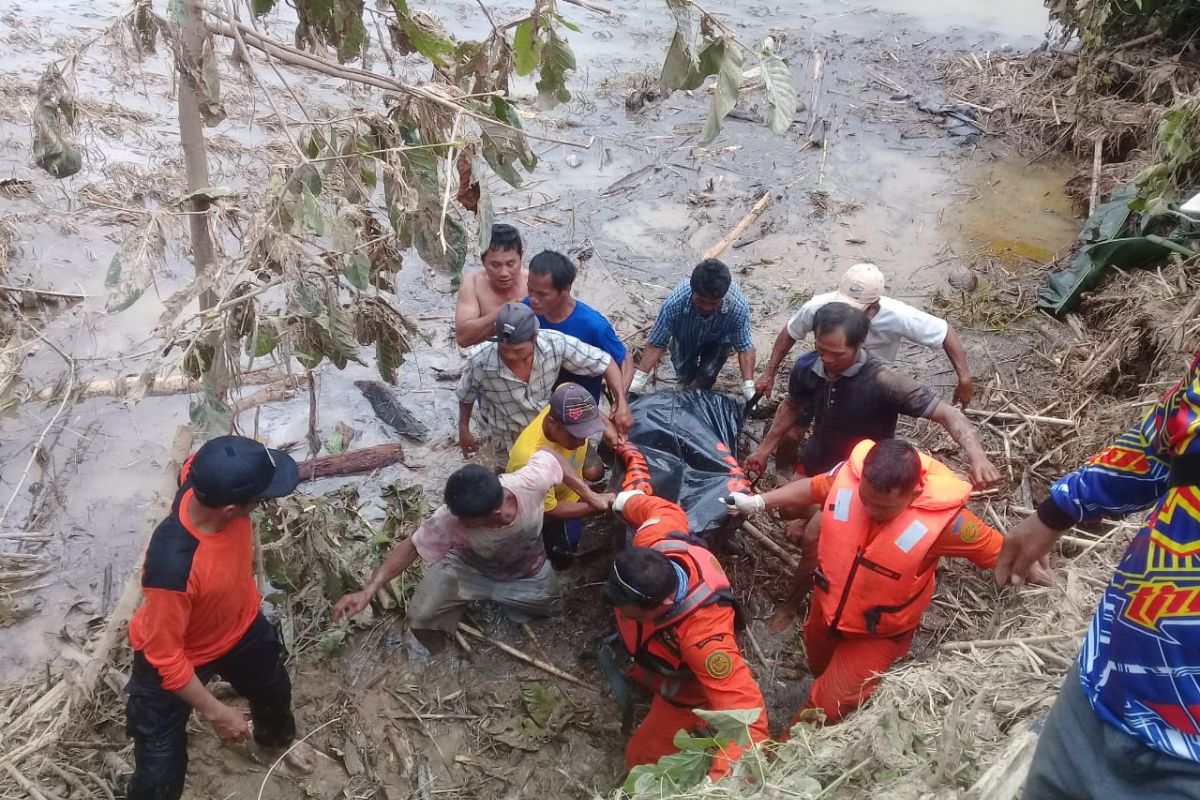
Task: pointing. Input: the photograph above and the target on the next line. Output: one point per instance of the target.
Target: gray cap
(574, 408)
(515, 324)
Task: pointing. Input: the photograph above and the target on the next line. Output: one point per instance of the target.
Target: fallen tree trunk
(353, 462)
(159, 386)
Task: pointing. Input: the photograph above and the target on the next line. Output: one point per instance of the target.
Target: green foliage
(547, 711)
(416, 32)
(725, 93)
(1103, 24)
(53, 125)
(681, 771)
(337, 23)
(781, 94)
(1176, 171)
(537, 45)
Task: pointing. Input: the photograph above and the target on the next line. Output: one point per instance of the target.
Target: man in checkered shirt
(702, 320)
(511, 377)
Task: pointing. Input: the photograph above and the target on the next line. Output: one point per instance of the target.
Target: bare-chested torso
(479, 300)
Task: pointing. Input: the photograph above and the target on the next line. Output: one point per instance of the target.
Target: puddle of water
(1014, 211)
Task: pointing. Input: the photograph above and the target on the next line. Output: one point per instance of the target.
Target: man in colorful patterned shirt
(1127, 723)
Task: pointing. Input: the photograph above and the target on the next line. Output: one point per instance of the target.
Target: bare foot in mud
(300, 758)
(782, 620)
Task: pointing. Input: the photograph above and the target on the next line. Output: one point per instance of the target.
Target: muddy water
(889, 186)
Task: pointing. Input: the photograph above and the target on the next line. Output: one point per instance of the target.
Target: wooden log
(731, 237)
(1097, 162)
(365, 459)
(272, 393)
(160, 385)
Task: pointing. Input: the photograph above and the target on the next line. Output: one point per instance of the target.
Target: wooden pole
(770, 544)
(1008, 415)
(189, 58)
(731, 237)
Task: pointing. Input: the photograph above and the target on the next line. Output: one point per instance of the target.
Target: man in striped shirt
(702, 320)
(511, 377)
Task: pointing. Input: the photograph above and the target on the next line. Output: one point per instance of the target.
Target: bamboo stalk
(528, 659)
(731, 237)
(1015, 642)
(1019, 417)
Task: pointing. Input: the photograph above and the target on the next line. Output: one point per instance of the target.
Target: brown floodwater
(889, 186)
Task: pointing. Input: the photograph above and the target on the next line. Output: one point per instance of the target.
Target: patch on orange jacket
(718, 664)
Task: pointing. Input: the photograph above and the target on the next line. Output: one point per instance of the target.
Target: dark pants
(701, 366)
(157, 719)
(561, 538)
(1081, 757)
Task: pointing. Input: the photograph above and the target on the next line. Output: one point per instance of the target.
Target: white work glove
(640, 379)
(740, 503)
(623, 498)
(748, 390)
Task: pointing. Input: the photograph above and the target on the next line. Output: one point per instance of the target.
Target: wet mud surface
(885, 184)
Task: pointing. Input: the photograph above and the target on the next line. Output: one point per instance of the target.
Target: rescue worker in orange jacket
(888, 513)
(675, 617)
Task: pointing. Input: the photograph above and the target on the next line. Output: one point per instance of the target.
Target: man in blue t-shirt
(551, 276)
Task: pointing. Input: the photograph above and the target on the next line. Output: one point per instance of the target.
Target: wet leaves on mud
(547, 711)
(53, 119)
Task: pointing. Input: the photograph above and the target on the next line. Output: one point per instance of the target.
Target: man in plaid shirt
(702, 320)
(512, 376)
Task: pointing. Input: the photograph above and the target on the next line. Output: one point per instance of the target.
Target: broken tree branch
(770, 544)
(731, 237)
(160, 385)
(528, 659)
(1014, 642)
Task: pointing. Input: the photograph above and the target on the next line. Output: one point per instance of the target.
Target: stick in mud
(720, 247)
(528, 659)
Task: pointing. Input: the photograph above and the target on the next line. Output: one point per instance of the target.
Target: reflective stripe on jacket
(653, 644)
(874, 578)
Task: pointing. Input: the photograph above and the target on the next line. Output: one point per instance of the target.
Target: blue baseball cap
(232, 470)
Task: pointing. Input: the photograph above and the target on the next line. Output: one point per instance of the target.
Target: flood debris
(391, 411)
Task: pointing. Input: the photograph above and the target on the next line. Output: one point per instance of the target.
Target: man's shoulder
(591, 316)
(169, 556)
(805, 363)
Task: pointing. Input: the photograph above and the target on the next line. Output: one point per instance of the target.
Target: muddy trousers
(157, 719)
(1081, 757)
(701, 366)
(846, 668)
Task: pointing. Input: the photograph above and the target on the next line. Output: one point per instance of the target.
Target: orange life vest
(653, 645)
(873, 578)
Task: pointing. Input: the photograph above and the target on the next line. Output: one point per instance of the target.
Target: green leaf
(314, 217)
(732, 725)
(429, 245)
(418, 36)
(208, 413)
(339, 324)
(781, 94)
(566, 23)
(332, 641)
(672, 774)
(263, 341)
(527, 49)
(678, 70)
(557, 61)
(131, 270)
(357, 269)
(336, 443)
(307, 176)
(725, 92)
(261, 7)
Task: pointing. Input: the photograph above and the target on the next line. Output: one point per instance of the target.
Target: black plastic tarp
(689, 440)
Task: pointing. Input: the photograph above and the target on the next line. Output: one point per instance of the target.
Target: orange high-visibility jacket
(658, 664)
(873, 578)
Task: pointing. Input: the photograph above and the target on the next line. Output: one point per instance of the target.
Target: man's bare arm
(983, 472)
(576, 484)
(746, 359)
(471, 326)
(783, 345)
(958, 359)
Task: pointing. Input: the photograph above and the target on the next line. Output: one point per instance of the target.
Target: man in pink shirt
(484, 543)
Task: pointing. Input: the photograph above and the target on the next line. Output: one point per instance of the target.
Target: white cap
(861, 286)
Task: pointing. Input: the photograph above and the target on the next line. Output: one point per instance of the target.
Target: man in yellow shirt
(564, 427)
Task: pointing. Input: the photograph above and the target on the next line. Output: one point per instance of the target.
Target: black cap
(231, 470)
(515, 324)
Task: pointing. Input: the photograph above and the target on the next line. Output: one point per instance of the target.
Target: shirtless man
(503, 280)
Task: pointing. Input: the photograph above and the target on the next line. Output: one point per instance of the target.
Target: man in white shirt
(891, 322)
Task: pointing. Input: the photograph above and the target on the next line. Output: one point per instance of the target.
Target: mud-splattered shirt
(502, 554)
